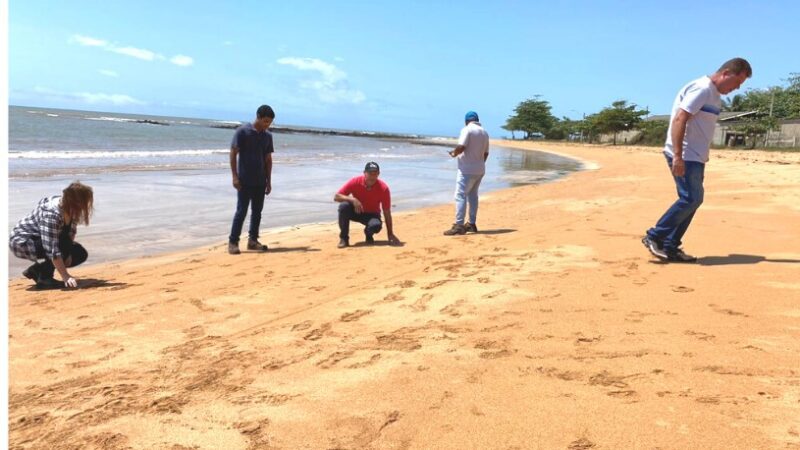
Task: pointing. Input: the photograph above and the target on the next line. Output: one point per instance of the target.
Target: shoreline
(552, 325)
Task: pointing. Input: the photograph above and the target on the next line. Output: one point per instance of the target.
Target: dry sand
(552, 328)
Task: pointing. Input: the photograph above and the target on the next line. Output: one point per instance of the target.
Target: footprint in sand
(317, 333)
(682, 289)
(355, 315)
(581, 444)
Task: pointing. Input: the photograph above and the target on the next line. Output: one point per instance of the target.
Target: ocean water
(167, 187)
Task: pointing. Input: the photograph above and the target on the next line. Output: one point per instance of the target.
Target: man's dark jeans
(247, 195)
(673, 224)
(347, 213)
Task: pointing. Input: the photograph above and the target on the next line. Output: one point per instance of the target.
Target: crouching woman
(48, 233)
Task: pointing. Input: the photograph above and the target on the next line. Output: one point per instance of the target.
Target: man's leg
(373, 226)
(256, 207)
(242, 203)
(694, 176)
(472, 197)
(461, 198)
(346, 212)
(676, 214)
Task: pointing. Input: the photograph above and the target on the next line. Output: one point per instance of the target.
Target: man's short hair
(737, 66)
(265, 111)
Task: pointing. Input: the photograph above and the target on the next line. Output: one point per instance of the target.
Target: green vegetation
(534, 119)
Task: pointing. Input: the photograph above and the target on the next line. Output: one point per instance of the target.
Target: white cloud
(88, 41)
(134, 52)
(331, 87)
(182, 60)
(108, 73)
(138, 53)
(93, 98)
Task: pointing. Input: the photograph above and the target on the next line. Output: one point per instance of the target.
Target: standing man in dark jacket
(251, 168)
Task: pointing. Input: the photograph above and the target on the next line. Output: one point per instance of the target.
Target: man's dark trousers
(247, 195)
(347, 213)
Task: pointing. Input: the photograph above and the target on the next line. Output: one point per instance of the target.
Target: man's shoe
(233, 249)
(257, 246)
(343, 243)
(456, 229)
(369, 239)
(470, 227)
(654, 247)
(48, 283)
(680, 257)
(32, 272)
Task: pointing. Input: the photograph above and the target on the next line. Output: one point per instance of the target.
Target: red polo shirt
(373, 198)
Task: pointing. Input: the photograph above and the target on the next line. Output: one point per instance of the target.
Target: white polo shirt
(476, 143)
(702, 100)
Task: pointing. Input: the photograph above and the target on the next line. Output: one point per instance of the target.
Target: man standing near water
(694, 117)
(251, 168)
(472, 151)
(361, 200)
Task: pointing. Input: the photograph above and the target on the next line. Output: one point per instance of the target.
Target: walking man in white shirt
(472, 151)
(694, 116)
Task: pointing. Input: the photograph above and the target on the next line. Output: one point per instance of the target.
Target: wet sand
(552, 328)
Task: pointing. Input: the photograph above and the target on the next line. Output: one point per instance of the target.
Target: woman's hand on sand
(394, 240)
(71, 283)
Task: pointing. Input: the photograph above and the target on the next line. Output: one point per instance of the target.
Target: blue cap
(471, 116)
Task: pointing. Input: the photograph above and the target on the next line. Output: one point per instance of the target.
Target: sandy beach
(553, 328)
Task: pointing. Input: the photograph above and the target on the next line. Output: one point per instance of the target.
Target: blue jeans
(467, 192)
(245, 196)
(673, 224)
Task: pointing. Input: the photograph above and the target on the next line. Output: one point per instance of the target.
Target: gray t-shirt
(476, 142)
(701, 99)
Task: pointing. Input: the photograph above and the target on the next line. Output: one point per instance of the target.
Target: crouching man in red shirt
(362, 199)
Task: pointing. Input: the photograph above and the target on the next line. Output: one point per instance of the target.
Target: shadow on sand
(85, 283)
(740, 259)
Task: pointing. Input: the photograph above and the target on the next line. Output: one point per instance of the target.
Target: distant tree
(533, 115)
(620, 116)
(780, 102)
(563, 128)
(512, 124)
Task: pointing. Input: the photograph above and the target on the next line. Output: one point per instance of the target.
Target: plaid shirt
(43, 224)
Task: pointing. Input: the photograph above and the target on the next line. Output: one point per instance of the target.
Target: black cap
(372, 167)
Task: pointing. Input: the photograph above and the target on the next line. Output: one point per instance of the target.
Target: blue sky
(413, 66)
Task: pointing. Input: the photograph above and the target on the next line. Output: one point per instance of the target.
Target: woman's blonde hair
(77, 202)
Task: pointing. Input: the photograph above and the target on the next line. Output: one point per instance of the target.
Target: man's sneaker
(257, 246)
(343, 243)
(233, 248)
(456, 229)
(654, 247)
(49, 283)
(680, 257)
(470, 227)
(32, 272)
(369, 239)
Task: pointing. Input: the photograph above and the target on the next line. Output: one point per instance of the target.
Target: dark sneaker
(257, 246)
(233, 249)
(369, 239)
(470, 227)
(343, 243)
(49, 283)
(680, 257)
(32, 272)
(456, 229)
(654, 247)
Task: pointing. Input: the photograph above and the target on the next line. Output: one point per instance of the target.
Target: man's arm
(234, 153)
(387, 217)
(349, 198)
(268, 168)
(457, 151)
(678, 132)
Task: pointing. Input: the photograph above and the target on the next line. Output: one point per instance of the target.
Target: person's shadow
(84, 283)
(498, 231)
(735, 258)
(289, 249)
(378, 244)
